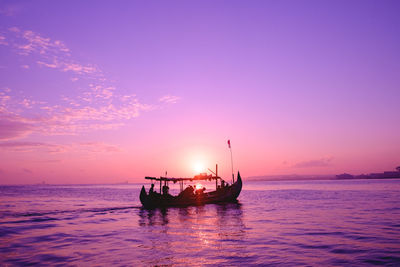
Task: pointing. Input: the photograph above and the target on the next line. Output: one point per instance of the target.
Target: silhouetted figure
(151, 189)
(191, 190)
(188, 192)
(165, 190)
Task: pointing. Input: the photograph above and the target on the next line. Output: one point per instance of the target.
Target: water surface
(282, 223)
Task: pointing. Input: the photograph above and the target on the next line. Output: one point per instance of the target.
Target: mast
(233, 176)
(216, 174)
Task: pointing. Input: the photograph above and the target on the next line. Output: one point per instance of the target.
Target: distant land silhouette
(382, 175)
(344, 176)
(289, 177)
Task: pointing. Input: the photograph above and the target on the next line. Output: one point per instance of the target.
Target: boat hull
(227, 194)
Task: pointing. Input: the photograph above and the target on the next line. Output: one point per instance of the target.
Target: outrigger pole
(216, 175)
(233, 176)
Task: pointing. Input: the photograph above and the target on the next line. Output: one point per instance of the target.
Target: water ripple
(282, 224)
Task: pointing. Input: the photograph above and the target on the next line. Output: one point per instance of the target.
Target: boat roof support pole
(216, 174)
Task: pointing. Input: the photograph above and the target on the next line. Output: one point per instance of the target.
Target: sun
(198, 167)
(198, 186)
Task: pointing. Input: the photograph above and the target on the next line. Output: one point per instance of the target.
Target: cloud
(76, 118)
(60, 120)
(97, 110)
(68, 66)
(48, 65)
(322, 162)
(3, 40)
(31, 146)
(49, 161)
(29, 42)
(77, 68)
(10, 9)
(13, 129)
(91, 147)
(27, 103)
(98, 106)
(52, 53)
(4, 98)
(169, 99)
(27, 171)
(98, 147)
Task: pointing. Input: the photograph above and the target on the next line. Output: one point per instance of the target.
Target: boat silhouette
(189, 196)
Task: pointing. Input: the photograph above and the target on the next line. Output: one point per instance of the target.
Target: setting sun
(198, 186)
(198, 167)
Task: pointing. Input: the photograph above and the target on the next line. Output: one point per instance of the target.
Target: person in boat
(151, 189)
(165, 189)
(188, 192)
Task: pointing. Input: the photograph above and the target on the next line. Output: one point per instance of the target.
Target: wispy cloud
(48, 161)
(98, 147)
(169, 99)
(10, 9)
(31, 146)
(12, 127)
(89, 147)
(322, 162)
(97, 107)
(4, 97)
(34, 42)
(3, 40)
(53, 53)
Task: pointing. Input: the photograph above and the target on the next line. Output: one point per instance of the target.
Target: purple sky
(99, 92)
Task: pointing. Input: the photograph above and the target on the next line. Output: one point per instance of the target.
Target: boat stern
(237, 186)
(143, 196)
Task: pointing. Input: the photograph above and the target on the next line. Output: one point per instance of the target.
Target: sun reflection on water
(194, 231)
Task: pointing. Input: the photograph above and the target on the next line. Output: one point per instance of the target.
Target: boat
(190, 196)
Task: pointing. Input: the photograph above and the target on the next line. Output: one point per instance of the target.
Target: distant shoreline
(251, 179)
(344, 176)
(290, 177)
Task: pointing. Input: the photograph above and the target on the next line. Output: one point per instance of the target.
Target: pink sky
(106, 92)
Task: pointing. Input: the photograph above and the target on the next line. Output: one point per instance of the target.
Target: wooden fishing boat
(189, 196)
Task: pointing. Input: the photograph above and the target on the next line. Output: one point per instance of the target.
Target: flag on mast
(229, 143)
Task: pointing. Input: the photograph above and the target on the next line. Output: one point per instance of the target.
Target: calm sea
(289, 223)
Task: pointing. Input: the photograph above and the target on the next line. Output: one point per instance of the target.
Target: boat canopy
(174, 180)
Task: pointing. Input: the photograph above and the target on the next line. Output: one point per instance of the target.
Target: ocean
(285, 223)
